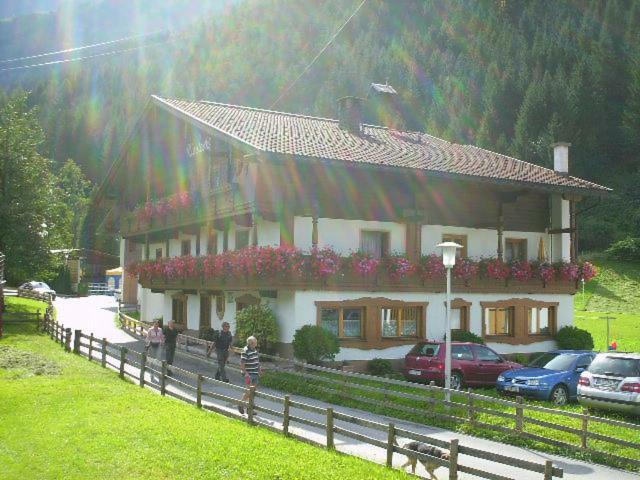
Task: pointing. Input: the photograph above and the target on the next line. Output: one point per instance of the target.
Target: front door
(205, 311)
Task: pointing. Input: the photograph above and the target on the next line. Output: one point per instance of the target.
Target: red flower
(546, 272)
(497, 269)
(399, 267)
(522, 270)
(569, 272)
(322, 263)
(363, 263)
(588, 271)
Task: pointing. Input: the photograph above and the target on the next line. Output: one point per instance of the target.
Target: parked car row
(599, 380)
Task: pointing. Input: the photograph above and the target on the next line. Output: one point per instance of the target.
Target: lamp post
(449, 260)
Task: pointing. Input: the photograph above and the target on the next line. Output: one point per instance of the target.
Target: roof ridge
(264, 110)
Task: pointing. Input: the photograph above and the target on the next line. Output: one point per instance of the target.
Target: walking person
(222, 351)
(250, 367)
(154, 340)
(170, 333)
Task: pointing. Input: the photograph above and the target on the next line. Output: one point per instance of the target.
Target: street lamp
(449, 260)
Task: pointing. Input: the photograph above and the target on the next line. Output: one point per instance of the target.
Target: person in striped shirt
(250, 367)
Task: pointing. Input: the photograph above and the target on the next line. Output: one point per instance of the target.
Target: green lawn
(18, 304)
(63, 417)
(615, 292)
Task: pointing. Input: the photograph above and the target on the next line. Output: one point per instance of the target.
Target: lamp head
(449, 253)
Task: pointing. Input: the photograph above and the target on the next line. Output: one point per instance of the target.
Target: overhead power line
(87, 57)
(306, 69)
(75, 49)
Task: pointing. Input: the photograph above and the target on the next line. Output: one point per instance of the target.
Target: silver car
(612, 382)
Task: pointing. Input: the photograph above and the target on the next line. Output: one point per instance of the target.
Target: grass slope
(87, 423)
(615, 293)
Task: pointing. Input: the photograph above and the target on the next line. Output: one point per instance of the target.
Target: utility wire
(306, 69)
(75, 49)
(103, 54)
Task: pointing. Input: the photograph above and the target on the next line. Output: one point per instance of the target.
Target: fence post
(199, 392)
(548, 470)
(330, 444)
(103, 353)
(431, 407)
(77, 336)
(285, 415)
(391, 440)
(52, 329)
(123, 360)
(584, 435)
(61, 335)
(67, 339)
(519, 414)
(91, 346)
(40, 318)
(251, 404)
(471, 409)
(143, 367)
(163, 378)
(453, 459)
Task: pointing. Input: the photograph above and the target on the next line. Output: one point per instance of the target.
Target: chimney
(384, 106)
(561, 157)
(350, 113)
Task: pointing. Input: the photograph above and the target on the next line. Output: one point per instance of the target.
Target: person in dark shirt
(170, 339)
(223, 342)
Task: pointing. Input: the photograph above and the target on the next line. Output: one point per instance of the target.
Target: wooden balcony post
(500, 230)
(146, 246)
(572, 234)
(254, 230)
(314, 230)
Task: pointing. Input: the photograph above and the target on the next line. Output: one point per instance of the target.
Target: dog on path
(426, 449)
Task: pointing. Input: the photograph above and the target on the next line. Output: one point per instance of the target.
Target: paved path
(96, 315)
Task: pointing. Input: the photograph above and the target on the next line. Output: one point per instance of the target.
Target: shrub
(573, 338)
(83, 289)
(520, 358)
(259, 321)
(379, 367)
(313, 344)
(208, 334)
(465, 336)
(627, 249)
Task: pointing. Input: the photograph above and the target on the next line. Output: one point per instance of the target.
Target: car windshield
(425, 349)
(615, 366)
(554, 361)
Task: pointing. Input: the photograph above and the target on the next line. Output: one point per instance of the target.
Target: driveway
(96, 314)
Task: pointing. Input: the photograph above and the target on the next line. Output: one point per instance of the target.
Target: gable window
(499, 321)
(540, 320)
(158, 253)
(515, 249)
(460, 240)
(212, 243)
(185, 247)
(242, 238)
(459, 314)
(179, 309)
(375, 243)
(400, 322)
(344, 322)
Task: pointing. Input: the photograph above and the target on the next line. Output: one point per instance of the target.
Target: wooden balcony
(349, 282)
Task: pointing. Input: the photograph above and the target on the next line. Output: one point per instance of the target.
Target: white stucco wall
(561, 243)
(481, 242)
(151, 305)
(268, 233)
(193, 312)
(344, 235)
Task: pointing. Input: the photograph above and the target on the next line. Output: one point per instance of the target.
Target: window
(242, 239)
(540, 319)
(400, 322)
(461, 352)
(212, 243)
(426, 350)
(205, 311)
(179, 310)
(487, 355)
(374, 243)
(499, 321)
(515, 249)
(460, 240)
(158, 253)
(344, 322)
(185, 247)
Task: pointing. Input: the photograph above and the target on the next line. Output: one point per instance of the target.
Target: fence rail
(467, 406)
(205, 389)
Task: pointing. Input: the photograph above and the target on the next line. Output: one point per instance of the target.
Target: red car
(471, 364)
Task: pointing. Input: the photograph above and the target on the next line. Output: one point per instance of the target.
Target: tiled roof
(299, 135)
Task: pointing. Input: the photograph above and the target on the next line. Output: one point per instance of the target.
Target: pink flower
(465, 269)
(546, 272)
(522, 270)
(322, 263)
(588, 271)
(569, 272)
(399, 267)
(497, 269)
(431, 267)
(363, 263)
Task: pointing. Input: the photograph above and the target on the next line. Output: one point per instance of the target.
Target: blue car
(551, 376)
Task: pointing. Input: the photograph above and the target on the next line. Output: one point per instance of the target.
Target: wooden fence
(106, 352)
(37, 317)
(468, 403)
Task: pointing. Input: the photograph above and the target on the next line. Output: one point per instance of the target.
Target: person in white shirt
(154, 340)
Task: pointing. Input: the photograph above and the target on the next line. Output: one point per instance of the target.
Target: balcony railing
(287, 268)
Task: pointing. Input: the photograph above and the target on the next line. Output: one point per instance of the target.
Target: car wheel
(559, 395)
(457, 381)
